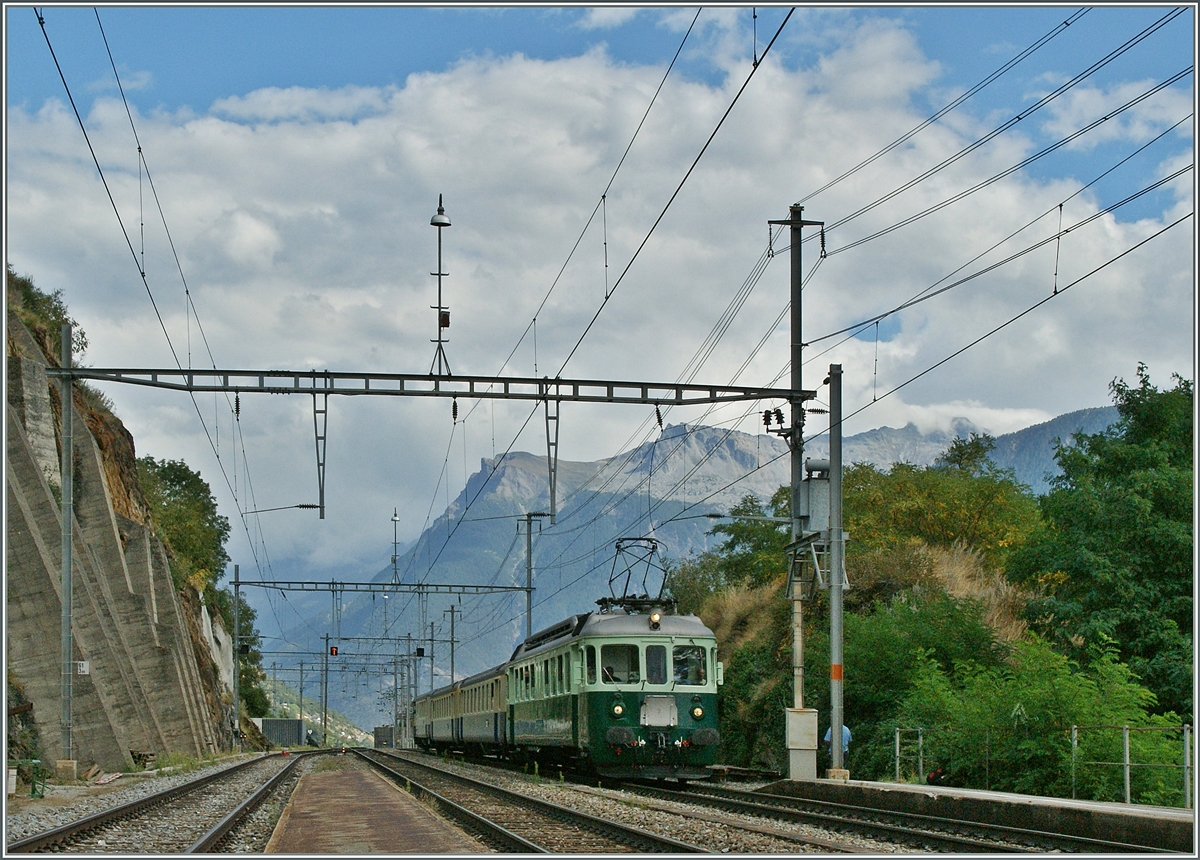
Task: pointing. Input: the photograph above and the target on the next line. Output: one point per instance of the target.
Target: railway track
(191, 818)
(924, 832)
(511, 822)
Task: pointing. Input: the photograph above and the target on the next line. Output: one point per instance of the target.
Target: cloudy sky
(297, 156)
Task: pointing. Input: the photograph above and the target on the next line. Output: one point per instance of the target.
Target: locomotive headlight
(697, 712)
(655, 618)
(618, 709)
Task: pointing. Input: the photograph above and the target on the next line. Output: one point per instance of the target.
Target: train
(625, 691)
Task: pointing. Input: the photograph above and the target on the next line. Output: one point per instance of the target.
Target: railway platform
(355, 811)
(1162, 827)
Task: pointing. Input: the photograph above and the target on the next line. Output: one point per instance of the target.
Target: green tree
(1113, 559)
(1008, 727)
(753, 550)
(185, 514)
(962, 498)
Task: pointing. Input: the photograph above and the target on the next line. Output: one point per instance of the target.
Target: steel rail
(919, 826)
(105, 816)
(830, 819)
(647, 842)
(221, 829)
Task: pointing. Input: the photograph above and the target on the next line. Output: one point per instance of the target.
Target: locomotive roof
(614, 623)
(618, 622)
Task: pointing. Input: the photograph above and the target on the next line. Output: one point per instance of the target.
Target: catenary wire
(904, 138)
(1005, 126)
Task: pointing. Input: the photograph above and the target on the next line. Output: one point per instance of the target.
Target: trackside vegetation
(992, 620)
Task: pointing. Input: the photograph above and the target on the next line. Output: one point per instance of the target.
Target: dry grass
(740, 614)
(963, 573)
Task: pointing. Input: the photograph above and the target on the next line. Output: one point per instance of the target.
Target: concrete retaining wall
(144, 692)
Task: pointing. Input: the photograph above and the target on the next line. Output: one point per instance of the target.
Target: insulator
(658, 415)
(237, 405)
(766, 417)
(454, 409)
(779, 416)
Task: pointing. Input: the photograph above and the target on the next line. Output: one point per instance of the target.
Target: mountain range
(662, 489)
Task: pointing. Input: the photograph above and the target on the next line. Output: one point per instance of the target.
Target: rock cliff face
(153, 684)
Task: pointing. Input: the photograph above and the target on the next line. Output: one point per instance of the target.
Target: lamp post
(395, 544)
(440, 220)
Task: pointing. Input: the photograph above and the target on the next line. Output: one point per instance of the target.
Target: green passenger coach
(629, 691)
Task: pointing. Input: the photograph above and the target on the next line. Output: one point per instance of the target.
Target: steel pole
(528, 575)
(68, 506)
(1187, 766)
(837, 556)
(325, 693)
(796, 441)
(237, 662)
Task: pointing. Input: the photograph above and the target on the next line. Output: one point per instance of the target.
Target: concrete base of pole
(66, 770)
(838, 773)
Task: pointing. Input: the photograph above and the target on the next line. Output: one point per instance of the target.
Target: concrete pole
(528, 575)
(837, 559)
(300, 695)
(237, 663)
(68, 510)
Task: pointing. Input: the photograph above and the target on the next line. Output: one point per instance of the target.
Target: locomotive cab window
(621, 664)
(691, 665)
(656, 664)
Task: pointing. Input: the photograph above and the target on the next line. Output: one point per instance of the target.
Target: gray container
(384, 738)
(283, 733)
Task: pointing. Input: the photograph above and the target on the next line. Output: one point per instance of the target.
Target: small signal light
(655, 619)
(333, 650)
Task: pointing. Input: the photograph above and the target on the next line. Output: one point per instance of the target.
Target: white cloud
(273, 104)
(302, 222)
(1084, 105)
(607, 17)
(130, 82)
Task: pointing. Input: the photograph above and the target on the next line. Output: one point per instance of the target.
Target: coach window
(656, 664)
(591, 664)
(561, 684)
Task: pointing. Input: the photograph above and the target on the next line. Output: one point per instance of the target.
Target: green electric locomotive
(627, 691)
